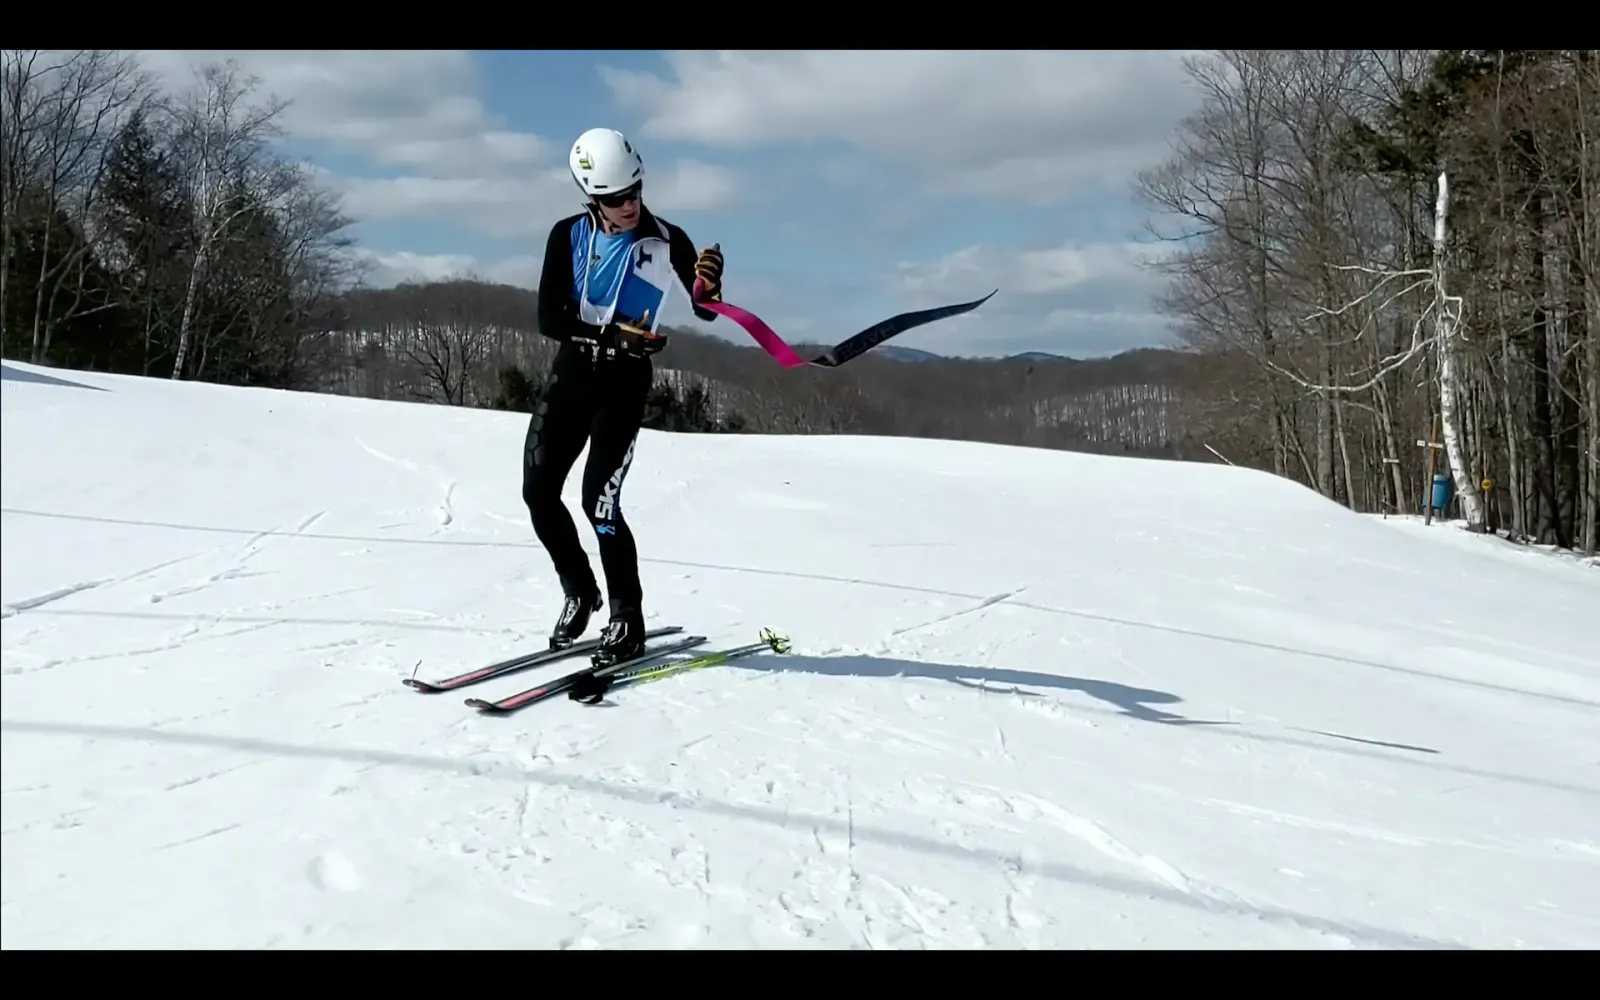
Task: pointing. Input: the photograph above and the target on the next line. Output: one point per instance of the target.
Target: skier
(607, 273)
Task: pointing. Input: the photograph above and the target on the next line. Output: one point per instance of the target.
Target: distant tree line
(1321, 335)
(668, 406)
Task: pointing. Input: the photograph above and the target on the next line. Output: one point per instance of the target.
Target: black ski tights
(602, 404)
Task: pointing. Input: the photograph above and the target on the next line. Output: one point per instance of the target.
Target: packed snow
(1035, 699)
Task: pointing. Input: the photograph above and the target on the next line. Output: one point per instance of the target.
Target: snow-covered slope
(1035, 699)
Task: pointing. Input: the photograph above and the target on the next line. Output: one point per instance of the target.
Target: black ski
(522, 699)
(516, 663)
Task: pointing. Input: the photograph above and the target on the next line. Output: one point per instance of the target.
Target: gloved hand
(708, 269)
(636, 341)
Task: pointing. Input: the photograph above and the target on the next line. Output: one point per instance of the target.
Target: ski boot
(574, 618)
(623, 639)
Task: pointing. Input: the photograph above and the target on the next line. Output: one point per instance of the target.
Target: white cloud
(1070, 269)
(1031, 126)
(691, 186)
(520, 207)
(1080, 298)
(419, 112)
(408, 109)
(387, 269)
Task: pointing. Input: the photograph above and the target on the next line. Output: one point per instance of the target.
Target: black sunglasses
(619, 198)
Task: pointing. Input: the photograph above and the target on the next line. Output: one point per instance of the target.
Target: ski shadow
(1389, 744)
(1123, 700)
(10, 374)
(1132, 702)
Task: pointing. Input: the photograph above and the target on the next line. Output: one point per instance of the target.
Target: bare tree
(223, 143)
(61, 113)
(448, 342)
(1224, 187)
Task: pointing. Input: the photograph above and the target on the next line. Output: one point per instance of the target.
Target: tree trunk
(39, 341)
(1341, 436)
(1546, 527)
(1446, 320)
(1391, 443)
(190, 294)
(1591, 505)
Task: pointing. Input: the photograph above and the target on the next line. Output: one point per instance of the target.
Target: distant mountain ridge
(512, 299)
(455, 341)
(912, 354)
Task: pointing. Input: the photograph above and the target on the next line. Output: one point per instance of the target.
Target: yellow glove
(708, 268)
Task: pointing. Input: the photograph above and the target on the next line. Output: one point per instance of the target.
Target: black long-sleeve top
(560, 284)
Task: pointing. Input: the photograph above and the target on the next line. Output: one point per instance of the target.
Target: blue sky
(843, 186)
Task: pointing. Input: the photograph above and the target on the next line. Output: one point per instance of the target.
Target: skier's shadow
(1133, 702)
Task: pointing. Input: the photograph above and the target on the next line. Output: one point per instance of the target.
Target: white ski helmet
(603, 161)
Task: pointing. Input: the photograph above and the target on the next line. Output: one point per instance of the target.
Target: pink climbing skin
(752, 324)
(841, 353)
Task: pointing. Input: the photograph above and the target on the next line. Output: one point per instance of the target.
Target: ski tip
(422, 686)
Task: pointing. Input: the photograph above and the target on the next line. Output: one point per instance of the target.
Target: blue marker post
(1442, 487)
(1430, 489)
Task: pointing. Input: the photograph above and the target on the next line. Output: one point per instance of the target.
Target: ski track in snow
(1214, 731)
(987, 602)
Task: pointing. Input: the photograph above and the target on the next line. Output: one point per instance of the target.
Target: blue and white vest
(644, 285)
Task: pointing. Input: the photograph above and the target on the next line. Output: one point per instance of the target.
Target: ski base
(522, 699)
(518, 663)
